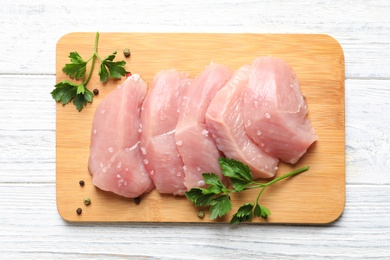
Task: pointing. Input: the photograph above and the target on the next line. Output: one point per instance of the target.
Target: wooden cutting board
(314, 197)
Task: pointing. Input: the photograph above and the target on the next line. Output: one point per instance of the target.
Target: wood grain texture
(319, 63)
(361, 232)
(361, 27)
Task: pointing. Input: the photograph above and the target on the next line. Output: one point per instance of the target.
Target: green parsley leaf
(103, 73)
(81, 89)
(257, 210)
(116, 68)
(215, 184)
(81, 99)
(220, 206)
(239, 185)
(193, 194)
(235, 169)
(58, 93)
(76, 58)
(77, 68)
(243, 214)
(245, 210)
(88, 95)
(265, 212)
(217, 195)
(110, 57)
(66, 91)
(238, 173)
(200, 197)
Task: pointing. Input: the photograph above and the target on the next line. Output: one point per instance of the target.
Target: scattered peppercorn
(137, 200)
(81, 183)
(126, 52)
(96, 92)
(79, 211)
(128, 74)
(201, 214)
(87, 201)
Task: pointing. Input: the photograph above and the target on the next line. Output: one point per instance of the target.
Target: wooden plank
(361, 28)
(362, 232)
(317, 196)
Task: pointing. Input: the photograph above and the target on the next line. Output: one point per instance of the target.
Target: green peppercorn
(79, 211)
(201, 214)
(126, 52)
(87, 201)
(137, 200)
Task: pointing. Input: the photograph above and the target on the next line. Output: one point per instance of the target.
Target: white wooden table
(30, 226)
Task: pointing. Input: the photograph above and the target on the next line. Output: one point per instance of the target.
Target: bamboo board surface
(314, 197)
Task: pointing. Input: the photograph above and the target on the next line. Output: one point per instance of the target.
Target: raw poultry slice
(224, 119)
(196, 146)
(275, 111)
(160, 112)
(115, 160)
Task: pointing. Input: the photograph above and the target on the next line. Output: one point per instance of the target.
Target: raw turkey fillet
(275, 111)
(115, 160)
(167, 138)
(196, 146)
(160, 112)
(225, 121)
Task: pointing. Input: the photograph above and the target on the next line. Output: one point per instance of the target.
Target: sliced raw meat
(160, 112)
(275, 111)
(196, 147)
(224, 119)
(115, 160)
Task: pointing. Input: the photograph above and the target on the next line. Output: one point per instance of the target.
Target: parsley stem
(96, 43)
(95, 48)
(258, 196)
(290, 174)
(95, 53)
(265, 185)
(295, 172)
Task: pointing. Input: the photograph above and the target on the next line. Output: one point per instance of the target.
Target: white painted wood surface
(31, 228)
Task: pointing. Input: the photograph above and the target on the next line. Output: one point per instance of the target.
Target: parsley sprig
(217, 196)
(66, 90)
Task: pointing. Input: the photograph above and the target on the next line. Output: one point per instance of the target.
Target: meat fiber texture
(160, 112)
(225, 121)
(115, 160)
(275, 111)
(196, 146)
(257, 115)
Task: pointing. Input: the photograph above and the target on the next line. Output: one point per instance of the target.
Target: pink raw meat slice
(160, 112)
(275, 111)
(115, 160)
(225, 121)
(196, 147)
